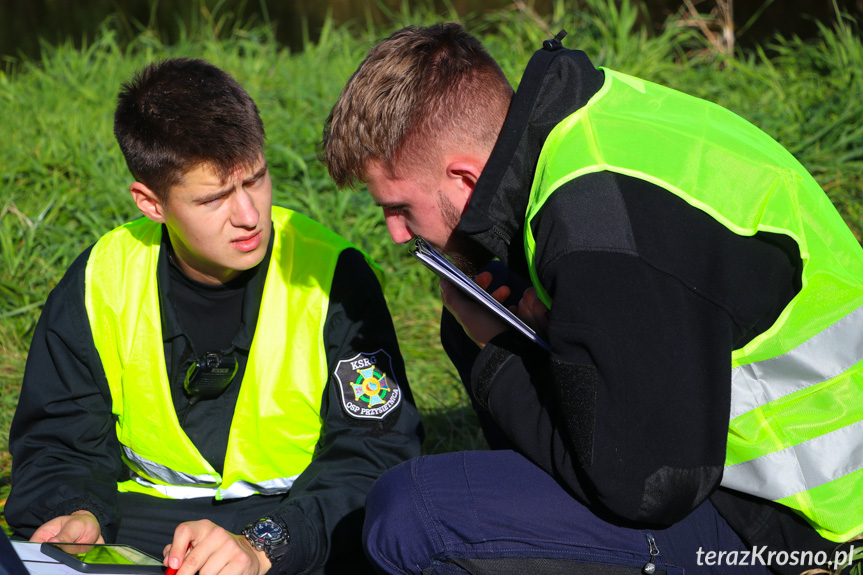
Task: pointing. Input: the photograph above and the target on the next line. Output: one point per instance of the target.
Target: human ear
(148, 202)
(463, 175)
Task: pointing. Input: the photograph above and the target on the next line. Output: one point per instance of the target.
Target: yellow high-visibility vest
(277, 419)
(796, 429)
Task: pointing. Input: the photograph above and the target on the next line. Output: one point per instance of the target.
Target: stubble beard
(466, 254)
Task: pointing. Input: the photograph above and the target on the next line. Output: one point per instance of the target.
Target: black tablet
(103, 558)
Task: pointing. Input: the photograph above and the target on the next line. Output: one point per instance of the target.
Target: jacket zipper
(650, 567)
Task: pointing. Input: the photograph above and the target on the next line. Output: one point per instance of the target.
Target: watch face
(268, 531)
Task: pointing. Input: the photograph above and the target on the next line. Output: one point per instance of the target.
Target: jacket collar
(555, 84)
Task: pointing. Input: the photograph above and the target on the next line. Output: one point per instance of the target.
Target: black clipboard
(433, 260)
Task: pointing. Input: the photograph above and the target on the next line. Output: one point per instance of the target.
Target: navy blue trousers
(496, 512)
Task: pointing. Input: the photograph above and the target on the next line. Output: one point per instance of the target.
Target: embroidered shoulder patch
(368, 387)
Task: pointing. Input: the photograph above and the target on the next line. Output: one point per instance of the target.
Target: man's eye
(395, 211)
(213, 201)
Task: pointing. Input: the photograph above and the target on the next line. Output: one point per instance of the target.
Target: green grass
(63, 181)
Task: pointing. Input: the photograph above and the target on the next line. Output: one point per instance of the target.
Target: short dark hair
(179, 113)
(417, 89)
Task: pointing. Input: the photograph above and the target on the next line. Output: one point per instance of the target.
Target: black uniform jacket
(650, 296)
(66, 454)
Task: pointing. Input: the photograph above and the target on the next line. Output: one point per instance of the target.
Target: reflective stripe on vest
(794, 436)
(818, 456)
(166, 474)
(236, 491)
(826, 355)
(177, 485)
(279, 403)
(800, 468)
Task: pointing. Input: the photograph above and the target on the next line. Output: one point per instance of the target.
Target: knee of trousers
(396, 529)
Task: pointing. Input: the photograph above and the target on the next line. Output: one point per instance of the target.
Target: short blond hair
(418, 90)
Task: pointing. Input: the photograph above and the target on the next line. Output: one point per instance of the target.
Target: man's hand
(479, 324)
(204, 547)
(533, 312)
(79, 527)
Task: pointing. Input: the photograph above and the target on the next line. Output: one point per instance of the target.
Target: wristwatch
(270, 536)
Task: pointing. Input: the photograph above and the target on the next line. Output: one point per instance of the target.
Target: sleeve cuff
(300, 558)
(492, 360)
(107, 527)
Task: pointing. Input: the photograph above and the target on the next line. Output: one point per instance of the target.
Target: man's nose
(399, 230)
(245, 214)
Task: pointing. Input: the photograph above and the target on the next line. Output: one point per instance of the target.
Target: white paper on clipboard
(433, 260)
